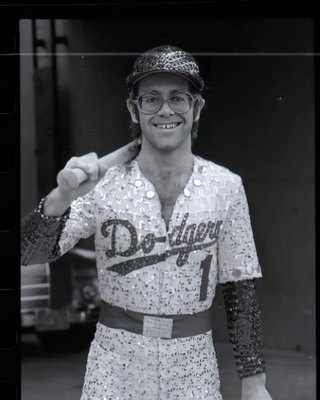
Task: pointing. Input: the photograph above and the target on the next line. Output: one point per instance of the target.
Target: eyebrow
(157, 92)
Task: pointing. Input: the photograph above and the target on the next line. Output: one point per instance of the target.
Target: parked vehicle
(60, 301)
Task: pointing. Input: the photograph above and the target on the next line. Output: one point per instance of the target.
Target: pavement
(290, 375)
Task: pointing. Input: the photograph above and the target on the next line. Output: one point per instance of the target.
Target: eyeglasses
(179, 102)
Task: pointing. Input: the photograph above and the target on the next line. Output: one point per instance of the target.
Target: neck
(155, 162)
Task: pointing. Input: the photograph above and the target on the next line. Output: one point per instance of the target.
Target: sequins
(144, 268)
(237, 255)
(40, 236)
(244, 323)
(166, 58)
(138, 183)
(130, 366)
(237, 273)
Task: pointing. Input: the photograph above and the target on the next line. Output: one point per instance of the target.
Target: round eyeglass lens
(179, 102)
(150, 103)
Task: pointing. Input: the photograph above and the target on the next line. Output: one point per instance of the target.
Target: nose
(165, 109)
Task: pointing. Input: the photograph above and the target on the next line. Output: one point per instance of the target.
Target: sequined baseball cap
(166, 59)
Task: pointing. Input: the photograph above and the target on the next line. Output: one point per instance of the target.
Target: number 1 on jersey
(205, 266)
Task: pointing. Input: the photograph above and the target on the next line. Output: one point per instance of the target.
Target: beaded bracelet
(39, 210)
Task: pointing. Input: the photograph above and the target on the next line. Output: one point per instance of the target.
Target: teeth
(166, 126)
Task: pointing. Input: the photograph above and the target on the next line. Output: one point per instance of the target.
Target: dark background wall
(258, 121)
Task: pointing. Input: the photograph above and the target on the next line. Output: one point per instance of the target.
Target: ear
(198, 105)
(133, 111)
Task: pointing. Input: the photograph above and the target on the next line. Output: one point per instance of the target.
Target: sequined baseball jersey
(145, 267)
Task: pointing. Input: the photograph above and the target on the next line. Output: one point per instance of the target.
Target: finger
(68, 179)
(93, 170)
(88, 166)
(78, 162)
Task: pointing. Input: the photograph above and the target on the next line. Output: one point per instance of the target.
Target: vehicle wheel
(76, 338)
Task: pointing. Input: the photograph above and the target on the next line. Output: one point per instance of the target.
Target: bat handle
(71, 178)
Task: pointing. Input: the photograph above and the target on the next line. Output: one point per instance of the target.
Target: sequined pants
(122, 365)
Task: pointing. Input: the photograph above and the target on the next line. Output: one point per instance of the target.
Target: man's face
(166, 129)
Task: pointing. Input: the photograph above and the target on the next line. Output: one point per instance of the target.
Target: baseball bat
(71, 178)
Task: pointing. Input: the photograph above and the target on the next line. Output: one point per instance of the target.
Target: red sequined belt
(159, 326)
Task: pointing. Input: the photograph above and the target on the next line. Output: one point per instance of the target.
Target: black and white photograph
(167, 208)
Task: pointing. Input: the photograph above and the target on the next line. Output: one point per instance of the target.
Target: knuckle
(73, 162)
(91, 156)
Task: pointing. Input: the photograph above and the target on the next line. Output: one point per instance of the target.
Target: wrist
(57, 202)
(254, 380)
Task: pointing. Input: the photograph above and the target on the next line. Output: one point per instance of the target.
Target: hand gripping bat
(71, 178)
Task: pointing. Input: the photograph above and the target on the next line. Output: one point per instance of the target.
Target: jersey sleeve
(80, 223)
(237, 257)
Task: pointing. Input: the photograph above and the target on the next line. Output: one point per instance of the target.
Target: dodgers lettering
(181, 234)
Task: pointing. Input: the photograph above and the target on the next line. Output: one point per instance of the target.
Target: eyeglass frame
(136, 101)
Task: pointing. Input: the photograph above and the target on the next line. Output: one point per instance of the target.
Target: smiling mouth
(167, 126)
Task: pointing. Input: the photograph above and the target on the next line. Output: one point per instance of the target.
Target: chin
(169, 143)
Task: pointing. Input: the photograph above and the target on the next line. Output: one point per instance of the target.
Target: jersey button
(186, 192)
(150, 194)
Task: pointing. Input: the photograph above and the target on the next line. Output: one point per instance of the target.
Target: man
(169, 226)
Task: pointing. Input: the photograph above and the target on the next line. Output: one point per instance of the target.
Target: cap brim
(193, 81)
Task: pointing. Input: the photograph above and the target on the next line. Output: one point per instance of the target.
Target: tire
(77, 338)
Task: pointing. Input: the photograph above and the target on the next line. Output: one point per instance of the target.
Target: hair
(135, 127)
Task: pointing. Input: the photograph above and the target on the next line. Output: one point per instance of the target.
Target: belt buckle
(157, 327)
